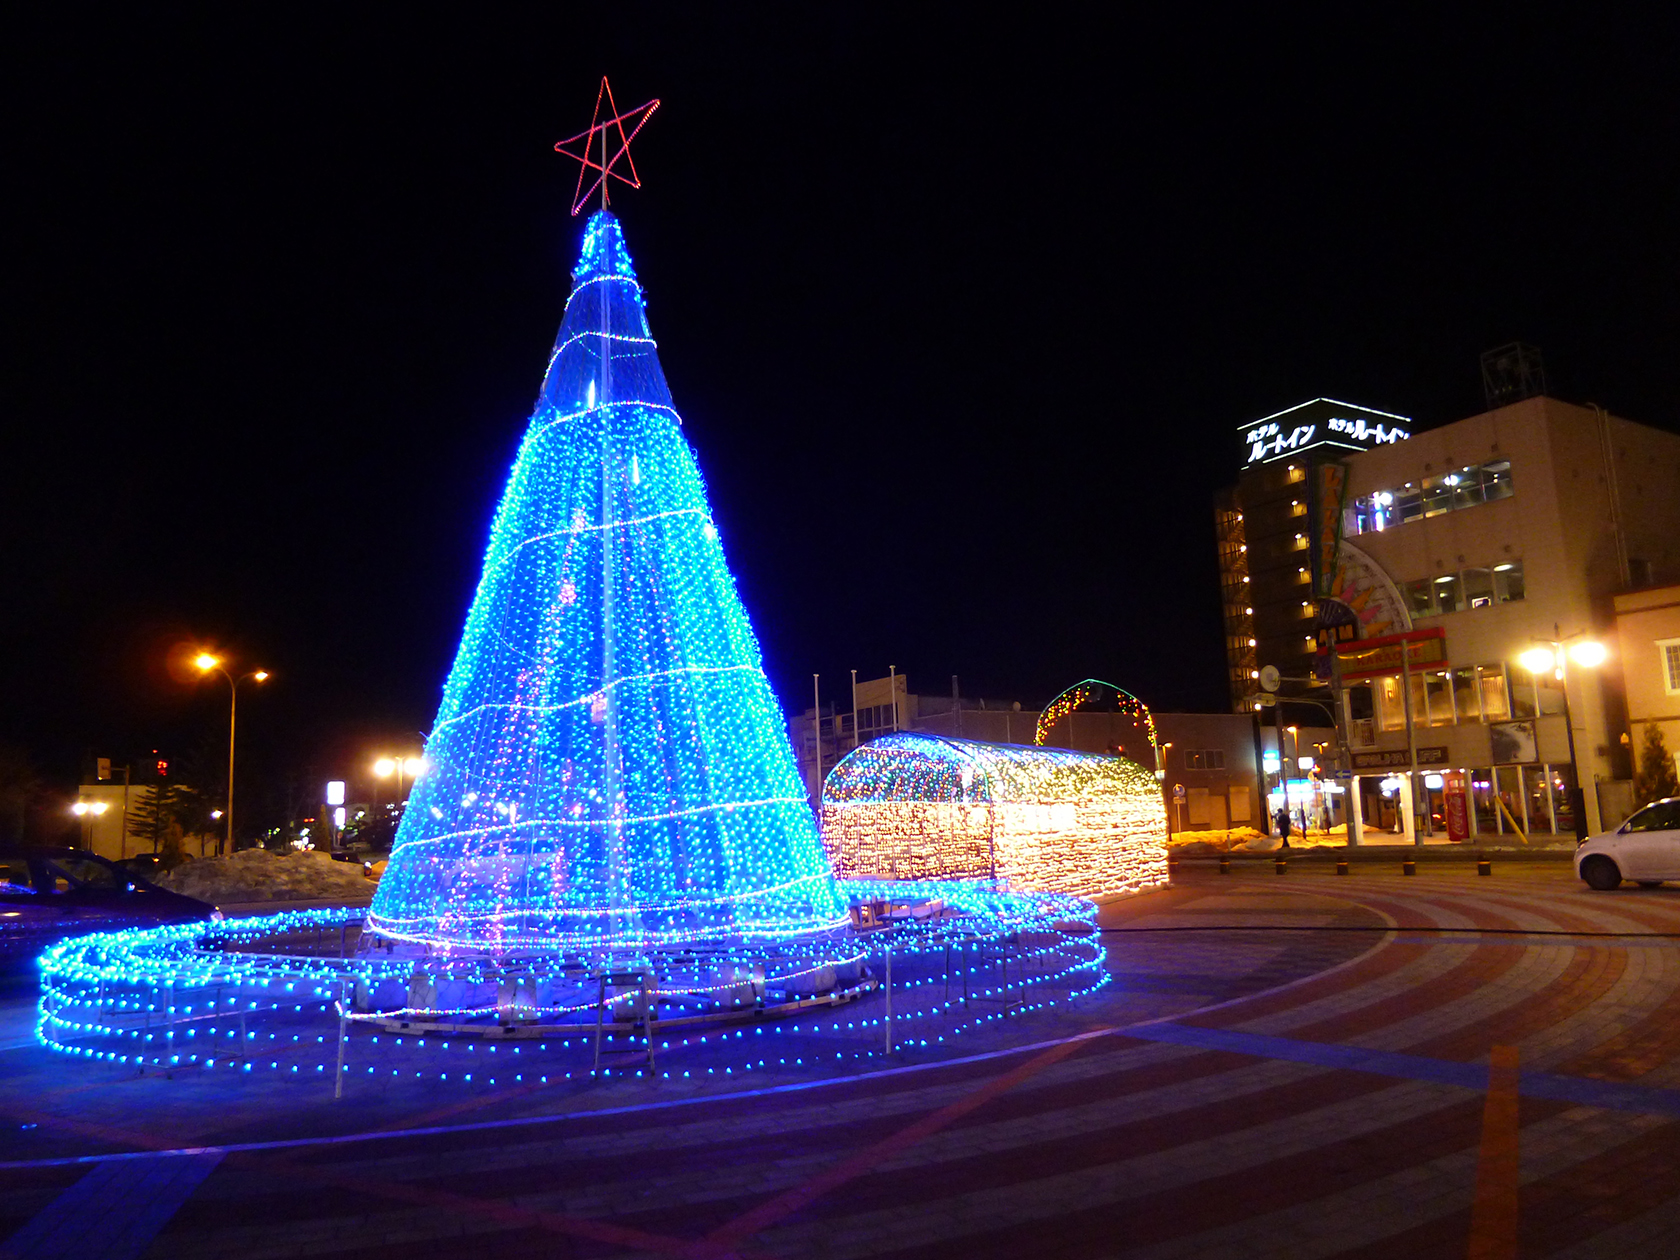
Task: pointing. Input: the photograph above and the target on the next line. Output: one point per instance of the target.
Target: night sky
(961, 316)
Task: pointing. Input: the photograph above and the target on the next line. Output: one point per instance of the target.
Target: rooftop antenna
(1512, 373)
(585, 140)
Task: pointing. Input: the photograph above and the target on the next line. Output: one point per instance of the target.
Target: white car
(1645, 849)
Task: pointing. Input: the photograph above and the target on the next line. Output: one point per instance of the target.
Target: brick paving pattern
(1292, 1066)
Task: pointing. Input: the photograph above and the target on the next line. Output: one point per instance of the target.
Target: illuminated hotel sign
(1323, 422)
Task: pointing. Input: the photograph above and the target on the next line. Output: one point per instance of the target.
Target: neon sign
(1321, 422)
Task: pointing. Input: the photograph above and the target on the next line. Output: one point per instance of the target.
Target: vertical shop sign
(1458, 807)
(1329, 487)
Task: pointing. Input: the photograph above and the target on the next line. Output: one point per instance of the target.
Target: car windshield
(1663, 816)
(88, 872)
(14, 878)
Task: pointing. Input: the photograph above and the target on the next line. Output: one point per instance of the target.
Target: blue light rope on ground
(246, 996)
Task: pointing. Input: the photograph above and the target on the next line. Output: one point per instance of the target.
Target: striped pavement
(1367, 1066)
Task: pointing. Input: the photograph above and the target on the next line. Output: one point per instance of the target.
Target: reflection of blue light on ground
(271, 995)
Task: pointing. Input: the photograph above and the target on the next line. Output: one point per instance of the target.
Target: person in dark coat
(1283, 822)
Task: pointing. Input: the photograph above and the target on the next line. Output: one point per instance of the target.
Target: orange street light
(206, 663)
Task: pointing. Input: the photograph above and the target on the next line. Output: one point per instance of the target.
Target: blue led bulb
(608, 766)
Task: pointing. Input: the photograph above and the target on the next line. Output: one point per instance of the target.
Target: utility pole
(855, 737)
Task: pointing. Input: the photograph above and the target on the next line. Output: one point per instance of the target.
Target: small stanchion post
(1341, 866)
(888, 1020)
(1483, 866)
(169, 1036)
(343, 1038)
(1224, 863)
(1408, 867)
(1281, 864)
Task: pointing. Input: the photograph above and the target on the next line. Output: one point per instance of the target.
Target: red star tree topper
(598, 155)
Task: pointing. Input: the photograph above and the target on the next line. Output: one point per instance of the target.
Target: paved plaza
(1301, 1065)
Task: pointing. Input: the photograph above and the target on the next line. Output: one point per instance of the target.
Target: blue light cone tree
(609, 769)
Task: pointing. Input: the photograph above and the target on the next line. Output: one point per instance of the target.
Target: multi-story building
(1399, 578)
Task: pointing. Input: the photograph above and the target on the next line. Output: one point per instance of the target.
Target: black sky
(961, 314)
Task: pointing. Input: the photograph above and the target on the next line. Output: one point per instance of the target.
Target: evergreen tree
(1655, 778)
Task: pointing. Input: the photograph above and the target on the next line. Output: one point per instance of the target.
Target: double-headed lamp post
(1553, 657)
(385, 767)
(87, 811)
(206, 664)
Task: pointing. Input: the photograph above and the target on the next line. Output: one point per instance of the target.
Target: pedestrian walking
(1283, 822)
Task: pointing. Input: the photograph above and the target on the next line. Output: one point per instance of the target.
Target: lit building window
(1466, 590)
(1444, 492)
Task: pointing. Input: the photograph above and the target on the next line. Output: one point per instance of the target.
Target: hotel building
(1395, 579)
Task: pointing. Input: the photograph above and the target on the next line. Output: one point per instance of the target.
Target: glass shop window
(1408, 503)
(1361, 703)
(1466, 486)
(1528, 688)
(1391, 703)
(1495, 706)
(1496, 480)
(1447, 593)
(1438, 494)
(1437, 691)
(1507, 582)
(1476, 586)
(1551, 695)
(1420, 598)
(1521, 691)
(1466, 694)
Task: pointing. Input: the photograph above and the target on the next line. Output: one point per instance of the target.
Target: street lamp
(206, 663)
(413, 767)
(87, 811)
(1553, 656)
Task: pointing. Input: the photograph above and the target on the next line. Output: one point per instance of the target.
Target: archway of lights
(930, 807)
(1088, 691)
(610, 850)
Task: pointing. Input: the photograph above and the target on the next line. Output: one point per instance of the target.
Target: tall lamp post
(206, 663)
(385, 767)
(1553, 656)
(87, 811)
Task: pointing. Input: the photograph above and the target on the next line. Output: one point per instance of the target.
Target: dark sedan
(47, 895)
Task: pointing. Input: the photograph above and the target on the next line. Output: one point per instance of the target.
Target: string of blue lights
(608, 768)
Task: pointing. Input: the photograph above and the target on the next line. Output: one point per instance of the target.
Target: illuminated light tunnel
(927, 807)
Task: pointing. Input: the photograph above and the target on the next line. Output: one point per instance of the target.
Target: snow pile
(258, 875)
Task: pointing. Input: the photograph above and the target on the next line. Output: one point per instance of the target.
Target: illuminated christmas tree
(609, 768)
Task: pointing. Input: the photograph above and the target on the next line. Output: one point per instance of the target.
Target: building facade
(1648, 656)
(1399, 586)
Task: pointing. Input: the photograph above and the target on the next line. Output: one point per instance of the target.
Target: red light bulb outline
(604, 164)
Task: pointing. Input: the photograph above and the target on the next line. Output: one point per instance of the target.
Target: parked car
(1645, 849)
(47, 895)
